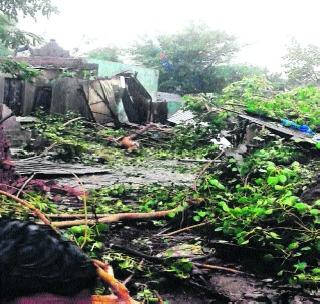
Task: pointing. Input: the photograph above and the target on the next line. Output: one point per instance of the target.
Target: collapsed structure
(65, 84)
(120, 99)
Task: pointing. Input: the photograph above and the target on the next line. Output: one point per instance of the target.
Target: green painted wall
(174, 106)
(148, 77)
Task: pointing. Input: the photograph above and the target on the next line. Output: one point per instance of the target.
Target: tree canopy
(105, 53)
(188, 61)
(302, 64)
(11, 8)
(10, 36)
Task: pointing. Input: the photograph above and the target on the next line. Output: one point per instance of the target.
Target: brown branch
(141, 131)
(113, 218)
(117, 287)
(76, 215)
(71, 121)
(215, 267)
(186, 229)
(129, 278)
(25, 184)
(205, 168)
(159, 297)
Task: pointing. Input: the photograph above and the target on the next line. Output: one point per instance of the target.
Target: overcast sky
(266, 26)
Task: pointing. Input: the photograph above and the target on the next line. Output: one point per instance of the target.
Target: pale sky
(266, 26)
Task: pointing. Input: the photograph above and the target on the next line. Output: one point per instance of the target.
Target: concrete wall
(149, 78)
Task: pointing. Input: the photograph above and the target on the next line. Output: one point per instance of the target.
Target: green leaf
(301, 207)
(282, 179)
(271, 167)
(280, 273)
(274, 235)
(268, 257)
(224, 206)
(289, 201)
(316, 271)
(314, 212)
(244, 242)
(77, 230)
(273, 180)
(102, 227)
(300, 266)
(197, 218)
(259, 181)
(202, 213)
(278, 187)
(214, 182)
(98, 245)
(269, 211)
(293, 245)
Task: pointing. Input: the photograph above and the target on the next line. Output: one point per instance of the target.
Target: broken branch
(113, 218)
(186, 229)
(215, 267)
(118, 288)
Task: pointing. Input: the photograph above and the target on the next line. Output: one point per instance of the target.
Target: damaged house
(64, 84)
(120, 99)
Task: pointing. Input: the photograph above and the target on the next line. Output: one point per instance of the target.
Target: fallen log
(76, 215)
(113, 218)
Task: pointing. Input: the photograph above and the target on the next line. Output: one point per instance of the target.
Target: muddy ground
(251, 285)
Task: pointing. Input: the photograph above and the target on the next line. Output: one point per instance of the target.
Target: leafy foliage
(264, 210)
(18, 69)
(12, 8)
(248, 89)
(302, 64)
(11, 37)
(301, 105)
(193, 57)
(78, 141)
(105, 53)
(259, 96)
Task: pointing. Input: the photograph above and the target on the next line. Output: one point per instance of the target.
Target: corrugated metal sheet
(276, 127)
(149, 78)
(164, 96)
(174, 102)
(45, 167)
(182, 117)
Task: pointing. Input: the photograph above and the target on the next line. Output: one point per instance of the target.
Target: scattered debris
(182, 116)
(223, 203)
(43, 167)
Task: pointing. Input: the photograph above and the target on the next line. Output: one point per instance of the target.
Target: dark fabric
(34, 259)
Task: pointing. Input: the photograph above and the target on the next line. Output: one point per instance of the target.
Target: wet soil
(203, 286)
